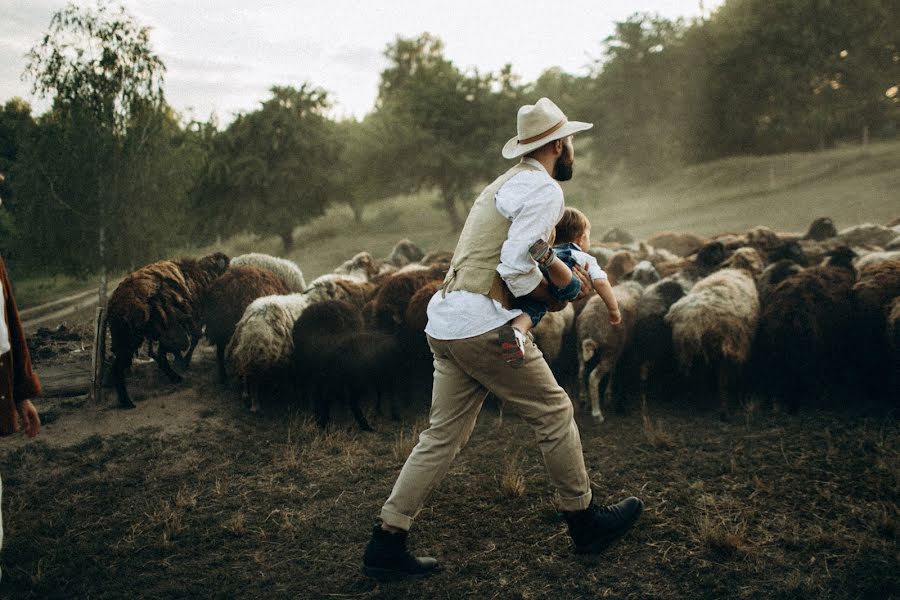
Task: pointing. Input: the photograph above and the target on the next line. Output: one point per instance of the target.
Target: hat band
(535, 138)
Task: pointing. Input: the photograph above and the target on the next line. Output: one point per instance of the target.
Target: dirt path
(161, 405)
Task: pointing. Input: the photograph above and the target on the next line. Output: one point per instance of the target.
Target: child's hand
(615, 317)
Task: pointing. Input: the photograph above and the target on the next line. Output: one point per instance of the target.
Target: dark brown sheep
(160, 302)
(393, 296)
(804, 329)
(336, 358)
(228, 297)
(877, 362)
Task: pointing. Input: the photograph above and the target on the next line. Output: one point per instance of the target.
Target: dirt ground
(190, 495)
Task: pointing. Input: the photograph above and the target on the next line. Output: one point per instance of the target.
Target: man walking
(468, 320)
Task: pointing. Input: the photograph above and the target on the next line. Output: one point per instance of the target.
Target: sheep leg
(120, 364)
(352, 395)
(582, 385)
(722, 389)
(220, 362)
(594, 380)
(185, 359)
(323, 406)
(253, 389)
(162, 360)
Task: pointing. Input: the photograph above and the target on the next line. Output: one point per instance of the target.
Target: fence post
(98, 359)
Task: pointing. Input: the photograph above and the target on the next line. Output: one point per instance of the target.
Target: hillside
(785, 192)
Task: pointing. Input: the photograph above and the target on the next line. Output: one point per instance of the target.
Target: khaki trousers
(464, 372)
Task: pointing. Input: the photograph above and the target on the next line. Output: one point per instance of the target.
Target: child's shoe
(512, 346)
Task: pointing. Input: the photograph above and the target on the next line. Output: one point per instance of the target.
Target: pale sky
(222, 56)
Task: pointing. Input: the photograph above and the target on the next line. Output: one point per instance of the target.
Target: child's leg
(522, 323)
(556, 270)
(559, 273)
(512, 335)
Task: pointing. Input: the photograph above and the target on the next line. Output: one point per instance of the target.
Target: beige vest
(477, 254)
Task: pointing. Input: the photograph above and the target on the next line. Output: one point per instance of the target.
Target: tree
(16, 126)
(103, 77)
(271, 169)
(448, 126)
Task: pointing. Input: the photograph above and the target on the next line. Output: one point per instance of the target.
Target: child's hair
(573, 224)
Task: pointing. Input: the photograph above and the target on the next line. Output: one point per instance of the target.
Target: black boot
(595, 527)
(387, 558)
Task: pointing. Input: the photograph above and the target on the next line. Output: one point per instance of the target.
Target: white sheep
(600, 345)
(286, 270)
(866, 234)
(262, 344)
(873, 258)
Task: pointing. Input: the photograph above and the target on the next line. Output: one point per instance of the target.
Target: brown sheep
(804, 328)
(228, 297)
(159, 302)
(873, 294)
(403, 253)
(680, 244)
(621, 264)
(393, 296)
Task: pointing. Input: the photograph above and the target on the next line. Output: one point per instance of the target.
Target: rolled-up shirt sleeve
(534, 204)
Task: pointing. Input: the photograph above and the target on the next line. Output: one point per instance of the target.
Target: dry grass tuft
(236, 524)
(404, 441)
(751, 409)
(718, 537)
(654, 432)
(512, 481)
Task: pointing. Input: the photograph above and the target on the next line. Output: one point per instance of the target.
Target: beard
(564, 166)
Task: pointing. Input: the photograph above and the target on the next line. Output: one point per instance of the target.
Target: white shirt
(590, 264)
(533, 202)
(4, 330)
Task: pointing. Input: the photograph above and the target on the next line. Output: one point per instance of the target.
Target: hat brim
(513, 149)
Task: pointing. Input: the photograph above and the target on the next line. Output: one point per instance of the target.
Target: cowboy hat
(538, 124)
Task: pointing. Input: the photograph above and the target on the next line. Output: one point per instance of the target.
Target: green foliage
(447, 127)
(99, 62)
(16, 125)
(100, 182)
(271, 169)
(756, 77)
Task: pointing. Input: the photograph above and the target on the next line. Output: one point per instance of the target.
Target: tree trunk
(452, 215)
(287, 240)
(357, 208)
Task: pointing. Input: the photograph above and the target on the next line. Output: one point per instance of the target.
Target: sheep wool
(716, 319)
(600, 345)
(262, 339)
(286, 270)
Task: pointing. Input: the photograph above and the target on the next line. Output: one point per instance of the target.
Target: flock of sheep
(782, 315)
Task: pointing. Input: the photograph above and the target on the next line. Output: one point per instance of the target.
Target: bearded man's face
(563, 168)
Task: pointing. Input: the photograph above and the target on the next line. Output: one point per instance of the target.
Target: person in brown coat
(18, 382)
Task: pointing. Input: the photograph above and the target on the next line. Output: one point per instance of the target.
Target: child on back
(573, 239)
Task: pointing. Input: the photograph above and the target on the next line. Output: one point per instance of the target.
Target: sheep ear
(588, 347)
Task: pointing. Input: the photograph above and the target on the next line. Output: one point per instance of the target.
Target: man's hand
(30, 418)
(586, 287)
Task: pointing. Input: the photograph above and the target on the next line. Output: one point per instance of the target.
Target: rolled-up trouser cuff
(393, 519)
(576, 503)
